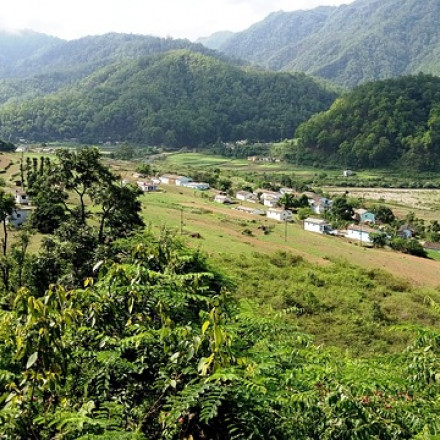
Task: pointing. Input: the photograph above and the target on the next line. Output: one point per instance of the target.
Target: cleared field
(225, 231)
(425, 203)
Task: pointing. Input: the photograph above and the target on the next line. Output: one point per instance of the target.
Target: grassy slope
(222, 229)
(350, 307)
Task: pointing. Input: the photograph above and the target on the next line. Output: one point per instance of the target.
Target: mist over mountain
(350, 44)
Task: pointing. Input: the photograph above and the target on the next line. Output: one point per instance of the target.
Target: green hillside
(112, 330)
(180, 98)
(37, 64)
(392, 123)
(350, 44)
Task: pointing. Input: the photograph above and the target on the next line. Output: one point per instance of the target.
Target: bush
(408, 246)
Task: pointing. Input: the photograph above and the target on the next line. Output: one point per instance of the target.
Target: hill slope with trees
(37, 64)
(391, 123)
(180, 98)
(350, 44)
(111, 332)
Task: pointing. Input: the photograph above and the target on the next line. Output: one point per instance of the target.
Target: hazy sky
(191, 19)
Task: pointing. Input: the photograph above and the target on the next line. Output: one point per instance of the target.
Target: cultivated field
(425, 203)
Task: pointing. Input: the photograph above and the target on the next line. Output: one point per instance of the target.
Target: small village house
(19, 216)
(220, 198)
(201, 186)
(363, 216)
(281, 215)
(348, 173)
(406, 231)
(271, 202)
(170, 179)
(319, 205)
(21, 198)
(183, 181)
(249, 210)
(244, 195)
(360, 233)
(147, 186)
(316, 225)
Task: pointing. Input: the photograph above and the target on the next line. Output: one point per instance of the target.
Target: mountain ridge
(177, 98)
(350, 44)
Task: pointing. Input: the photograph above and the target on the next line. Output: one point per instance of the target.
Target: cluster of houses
(360, 229)
(271, 200)
(150, 184)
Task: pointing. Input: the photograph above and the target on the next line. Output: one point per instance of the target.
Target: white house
(220, 198)
(147, 186)
(320, 204)
(282, 215)
(244, 195)
(18, 216)
(21, 198)
(348, 173)
(201, 186)
(183, 181)
(360, 233)
(248, 210)
(266, 194)
(316, 225)
(169, 179)
(271, 203)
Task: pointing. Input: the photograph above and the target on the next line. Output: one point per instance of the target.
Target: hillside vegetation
(180, 98)
(392, 123)
(350, 44)
(110, 331)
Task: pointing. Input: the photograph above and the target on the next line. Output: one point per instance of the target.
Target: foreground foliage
(156, 348)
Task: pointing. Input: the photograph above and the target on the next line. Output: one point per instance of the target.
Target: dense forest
(109, 331)
(391, 123)
(350, 44)
(180, 98)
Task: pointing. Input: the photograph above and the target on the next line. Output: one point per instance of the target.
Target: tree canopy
(176, 99)
(392, 123)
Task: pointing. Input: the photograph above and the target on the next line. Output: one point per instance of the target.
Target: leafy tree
(341, 210)
(383, 214)
(6, 146)
(124, 152)
(70, 254)
(80, 171)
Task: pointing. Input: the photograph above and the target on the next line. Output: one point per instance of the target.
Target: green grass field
(226, 231)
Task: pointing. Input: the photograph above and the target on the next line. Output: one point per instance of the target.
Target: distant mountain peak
(350, 44)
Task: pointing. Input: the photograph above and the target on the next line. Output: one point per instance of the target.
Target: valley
(234, 238)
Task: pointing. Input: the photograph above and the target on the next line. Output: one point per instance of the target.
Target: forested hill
(180, 98)
(350, 44)
(390, 123)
